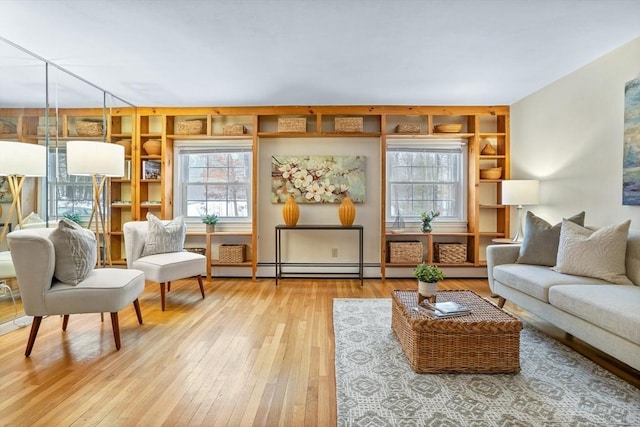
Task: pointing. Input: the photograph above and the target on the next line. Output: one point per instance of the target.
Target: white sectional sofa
(603, 314)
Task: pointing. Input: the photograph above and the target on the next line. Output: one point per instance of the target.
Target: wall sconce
(519, 193)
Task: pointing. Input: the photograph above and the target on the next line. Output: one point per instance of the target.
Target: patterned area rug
(556, 386)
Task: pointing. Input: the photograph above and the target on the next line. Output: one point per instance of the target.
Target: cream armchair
(103, 290)
(162, 268)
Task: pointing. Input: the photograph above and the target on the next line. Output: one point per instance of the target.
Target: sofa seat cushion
(171, 266)
(536, 280)
(611, 307)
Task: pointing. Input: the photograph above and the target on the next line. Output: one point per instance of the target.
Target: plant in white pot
(210, 221)
(428, 277)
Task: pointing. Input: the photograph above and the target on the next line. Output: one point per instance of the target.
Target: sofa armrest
(498, 255)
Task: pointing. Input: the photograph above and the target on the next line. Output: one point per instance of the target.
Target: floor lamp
(100, 160)
(19, 160)
(519, 193)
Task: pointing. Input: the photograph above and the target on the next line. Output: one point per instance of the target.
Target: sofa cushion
(536, 280)
(76, 252)
(611, 307)
(163, 238)
(541, 240)
(599, 254)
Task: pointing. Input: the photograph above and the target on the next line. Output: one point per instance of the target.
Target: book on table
(448, 309)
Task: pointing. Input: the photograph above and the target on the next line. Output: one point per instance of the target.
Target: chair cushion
(6, 265)
(76, 252)
(163, 238)
(600, 254)
(167, 267)
(541, 240)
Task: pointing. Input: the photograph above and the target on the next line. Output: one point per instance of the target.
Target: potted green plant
(427, 217)
(73, 217)
(210, 221)
(428, 277)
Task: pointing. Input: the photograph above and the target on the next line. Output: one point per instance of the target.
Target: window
(425, 176)
(214, 179)
(68, 194)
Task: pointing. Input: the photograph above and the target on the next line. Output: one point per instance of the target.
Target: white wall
(570, 136)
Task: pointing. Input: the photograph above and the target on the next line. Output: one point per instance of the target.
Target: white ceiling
(317, 52)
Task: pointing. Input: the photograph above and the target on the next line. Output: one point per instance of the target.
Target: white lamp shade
(520, 192)
(21, 158)
(95, 158)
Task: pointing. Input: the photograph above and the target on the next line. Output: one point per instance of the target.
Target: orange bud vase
(291, 212)
(347, 212)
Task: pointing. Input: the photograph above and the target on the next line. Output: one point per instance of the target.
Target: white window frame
(57, 178)
(451, 223)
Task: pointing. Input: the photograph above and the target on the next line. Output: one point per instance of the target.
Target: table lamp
(519, 193)
(100, 160)
(19, 160)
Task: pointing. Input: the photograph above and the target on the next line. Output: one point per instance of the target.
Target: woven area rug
(556, 386)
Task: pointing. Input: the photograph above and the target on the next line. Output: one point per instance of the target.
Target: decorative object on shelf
(398, 223)
(232, 253)
(53, 130)
(449, 253)
(519, 193)
(153, 147)
(291, 212)
(426, 218)
(7, 127)
(317, 179)
(349, 124)
(347, 212)
(151, 169)
(448, 128)
(488, 150)
(234, 130)
(126, 143)
(428, 277)
(292, 124)
(405, 252)
(210, 221)
(191, 127)
(89, 127)
(407, 128)
(491, 173)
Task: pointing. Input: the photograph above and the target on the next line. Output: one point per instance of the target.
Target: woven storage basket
(234, 130)
(493, 173)
(450, 253)
(449, 128)
(199, 251)
(7, 127)
(88, 128)
(349, 124)
(292, 124)
(407, 128)
(232, 253)
(191, 127)
(405, 252)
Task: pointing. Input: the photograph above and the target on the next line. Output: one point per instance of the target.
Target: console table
(279, 263)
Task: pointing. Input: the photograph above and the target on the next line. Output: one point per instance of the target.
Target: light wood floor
(249, 354)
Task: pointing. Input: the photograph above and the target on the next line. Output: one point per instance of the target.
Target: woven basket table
(485, 341)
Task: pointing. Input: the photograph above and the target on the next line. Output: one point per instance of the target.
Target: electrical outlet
(334, 252)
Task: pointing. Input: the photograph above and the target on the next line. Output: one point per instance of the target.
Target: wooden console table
(279, 263)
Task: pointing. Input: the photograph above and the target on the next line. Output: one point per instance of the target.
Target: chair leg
(201, 286)
(168, 286)
(32, 335)
(116, 329)
(162, 296)
(136, 305)
(65, 322)
(501, 302)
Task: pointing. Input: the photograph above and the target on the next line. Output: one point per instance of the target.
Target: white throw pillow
(76, 252)
(163, 238)
(600, 254)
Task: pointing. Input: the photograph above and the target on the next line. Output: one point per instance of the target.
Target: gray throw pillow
(76, 252)
(600, 254)
(541, 239)
(163, 238)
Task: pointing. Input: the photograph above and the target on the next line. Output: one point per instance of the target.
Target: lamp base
(519, 232)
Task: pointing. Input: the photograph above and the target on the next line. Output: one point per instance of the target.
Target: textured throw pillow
(162, 238)
(600, 254)
(541, 239)
(32, 221)
(76, 252)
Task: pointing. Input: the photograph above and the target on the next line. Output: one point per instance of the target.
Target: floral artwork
(5, 193)
(631, 162)
(317, 179)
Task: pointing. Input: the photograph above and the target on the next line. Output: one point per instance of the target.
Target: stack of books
(446, 309)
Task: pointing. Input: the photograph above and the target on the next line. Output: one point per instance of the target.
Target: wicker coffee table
(485, 341)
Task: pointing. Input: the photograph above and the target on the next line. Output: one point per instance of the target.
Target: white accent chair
(103, 290)
(162, 268)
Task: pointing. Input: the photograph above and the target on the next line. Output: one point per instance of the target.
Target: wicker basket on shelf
(292, 124)
(448, 128)
(88, 127)
(492, 173)
(42, 130)
(232, 253)
(234, 130)
(450, 253)
(405, 252)
(191, 127)
(349, 124)
(7, 127)
(407, 128)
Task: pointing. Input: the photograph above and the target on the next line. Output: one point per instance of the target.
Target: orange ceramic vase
(347, 212)
(291, 212)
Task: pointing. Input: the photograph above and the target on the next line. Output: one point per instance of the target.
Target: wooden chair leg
(501, 302)
(162, 296)
(116, 329)
(136, 305)
(65, 322)
(32, 335)
(201, 285)
(168, 286)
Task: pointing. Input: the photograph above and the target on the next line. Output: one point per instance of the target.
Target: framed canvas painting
(631, 159)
